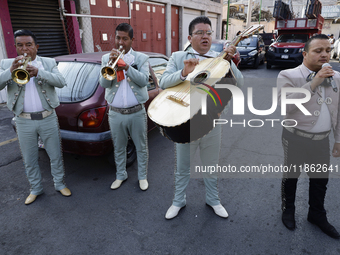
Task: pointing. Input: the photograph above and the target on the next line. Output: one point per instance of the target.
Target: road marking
(9, 141)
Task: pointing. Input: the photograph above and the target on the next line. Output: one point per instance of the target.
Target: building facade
(75, 26)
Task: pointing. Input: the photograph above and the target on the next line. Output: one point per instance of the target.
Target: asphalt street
(98, 220)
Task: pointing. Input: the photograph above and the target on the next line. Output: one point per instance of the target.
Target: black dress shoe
(288, 220)
(327, 228)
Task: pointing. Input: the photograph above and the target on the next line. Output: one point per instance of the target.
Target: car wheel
(269, 66)
(131, 154)
(256, 63)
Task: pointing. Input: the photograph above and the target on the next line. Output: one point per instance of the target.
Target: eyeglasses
(202, 32)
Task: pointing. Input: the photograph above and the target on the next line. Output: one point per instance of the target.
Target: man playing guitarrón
(179, 66)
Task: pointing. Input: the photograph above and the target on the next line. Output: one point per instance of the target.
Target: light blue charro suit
(28, 130)
(209, 145)
(135, 124)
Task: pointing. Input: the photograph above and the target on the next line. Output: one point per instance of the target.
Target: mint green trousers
(209, 149)
(28, 132)
(135, 125)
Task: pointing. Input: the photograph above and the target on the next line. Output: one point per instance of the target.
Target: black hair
(195, 21)
(24, 32)
(125, 27)
(314, 37)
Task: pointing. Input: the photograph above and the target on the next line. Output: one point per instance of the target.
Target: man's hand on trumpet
(121, 65)
(17, 62)
(114, 55)
(32, 70)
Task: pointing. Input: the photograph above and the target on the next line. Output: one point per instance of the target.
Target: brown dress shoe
(30, 199)
(65, 192)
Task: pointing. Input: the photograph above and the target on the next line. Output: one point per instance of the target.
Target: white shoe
(116, 184)
(143, 184)
(220, 211)
(172, 212)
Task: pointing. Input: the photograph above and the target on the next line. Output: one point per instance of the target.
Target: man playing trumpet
(126, 92)
(33, 99)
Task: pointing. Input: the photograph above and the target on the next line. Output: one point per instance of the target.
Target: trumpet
(20, 75)
(109, 71)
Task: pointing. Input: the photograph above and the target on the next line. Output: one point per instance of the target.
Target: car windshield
(158, 63)
(218, 47)
(248, 42)
(293, 38)
(81, 79)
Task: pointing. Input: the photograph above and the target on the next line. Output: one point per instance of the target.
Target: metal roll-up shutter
(43, 19)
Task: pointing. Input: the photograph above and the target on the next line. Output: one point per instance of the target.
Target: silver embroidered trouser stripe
(28, 132)
(209, 147)
(135, 125)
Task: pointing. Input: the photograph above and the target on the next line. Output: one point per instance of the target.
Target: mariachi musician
(179, 66)
(126, 92)
(32, 98)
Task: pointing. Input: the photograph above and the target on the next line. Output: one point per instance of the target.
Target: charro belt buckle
(125, 111)
(304, 134)
(36, 116)
(318, 137)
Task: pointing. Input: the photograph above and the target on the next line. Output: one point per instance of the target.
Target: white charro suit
(209, 145)
(28, 130)
(134, 124)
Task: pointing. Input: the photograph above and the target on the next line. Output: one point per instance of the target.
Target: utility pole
(249, 14)
(228, 12)
(260, 12)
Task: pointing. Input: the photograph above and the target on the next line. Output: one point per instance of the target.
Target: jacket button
(128, 79)
(135, 93)
(132, 87)
(316, 113)
(39, 82)
(113, 93)
(313, 122)
(328, 100)
(47, 99)
(43, 91)
(117, 85)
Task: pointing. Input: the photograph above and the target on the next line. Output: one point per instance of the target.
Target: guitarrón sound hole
(200, 77)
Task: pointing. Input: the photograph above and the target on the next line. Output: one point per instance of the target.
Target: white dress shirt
(32, 102)
(125, 97)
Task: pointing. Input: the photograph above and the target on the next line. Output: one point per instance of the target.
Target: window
(293, 38)
(248, 42)
(218, 47)
(81, 79)
(158, 65)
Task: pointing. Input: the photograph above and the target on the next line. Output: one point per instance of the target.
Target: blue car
(252, 51)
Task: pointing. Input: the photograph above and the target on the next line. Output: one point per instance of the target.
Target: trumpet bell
(108, 73)
(20, 76)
